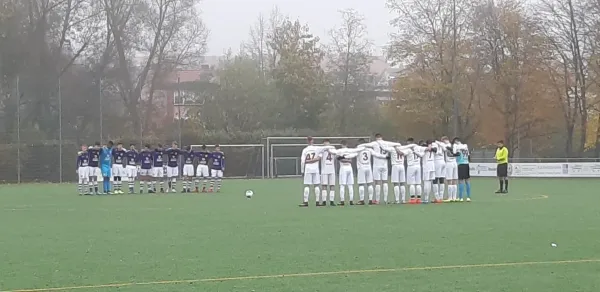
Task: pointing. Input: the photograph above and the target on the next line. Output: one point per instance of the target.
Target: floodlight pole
(179, 108)
(60, 138)
(18, 132)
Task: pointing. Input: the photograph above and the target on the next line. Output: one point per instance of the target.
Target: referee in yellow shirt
(502, 168)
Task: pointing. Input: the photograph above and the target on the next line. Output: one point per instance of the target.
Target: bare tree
(349, 57)
(148, 35)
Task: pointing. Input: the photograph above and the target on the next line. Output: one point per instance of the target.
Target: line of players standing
(431, 166)
(150, 166)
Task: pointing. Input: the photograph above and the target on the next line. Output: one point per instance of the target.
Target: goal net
(284, 153)
(241, 160)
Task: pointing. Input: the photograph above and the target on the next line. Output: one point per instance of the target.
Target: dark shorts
(502, 170)
(463, 172)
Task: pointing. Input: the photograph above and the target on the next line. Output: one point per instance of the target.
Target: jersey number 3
(365, 156)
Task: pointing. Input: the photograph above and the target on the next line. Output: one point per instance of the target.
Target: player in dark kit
(145, 160)
(173, 166)
(94, 167)
(132, 158)
(118, 167)
(188, 169)
(202, 171)
(83, 159)
(157, 168)
(217, 168)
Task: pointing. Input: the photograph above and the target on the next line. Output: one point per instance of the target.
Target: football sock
(331, 195)
(427, 189)
(436, 191)
(212, 183)
(306, 194)
(468, 184)
(403, 193)
(196, 183)
(204, 183)
(162, 184)
(317, 192)
(80, 188)
(148, 186)
(461, 189)
(377, 192)
(454, 192)
(219, 184)
(131, 183)
(342, 193)
(411, 191)
(324, 194)
(370, 191)
(506, 185)
(351, 193)
(442, 189)
(397, 193)
(170, 184)
(385, 191)
(419, 191)
(361, 193)
(501, 185)
(91, 187)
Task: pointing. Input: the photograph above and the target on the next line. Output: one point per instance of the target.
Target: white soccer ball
(249, 194)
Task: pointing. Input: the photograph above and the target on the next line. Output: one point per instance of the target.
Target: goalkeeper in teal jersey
(106, 165)
(464, 174)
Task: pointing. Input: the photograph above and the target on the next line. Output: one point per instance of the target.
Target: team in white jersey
(428, 163)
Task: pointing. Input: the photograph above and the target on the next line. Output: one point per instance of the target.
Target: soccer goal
(284, 153)
(241, 160)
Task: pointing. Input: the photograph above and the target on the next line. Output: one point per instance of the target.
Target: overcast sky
(229, 21)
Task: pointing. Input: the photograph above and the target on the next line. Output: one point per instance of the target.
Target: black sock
(501, 185)
(506, 185)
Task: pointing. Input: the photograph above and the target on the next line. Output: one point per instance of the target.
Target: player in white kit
(398, 172)
(428, 171)
(380, 166)
(413, 171)
(346, 176)
(439, 162)
(309, 165)
(451, 169)
(327, 176)
(365, 172)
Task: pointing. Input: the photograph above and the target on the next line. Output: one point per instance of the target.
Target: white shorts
(83, 172)
(380, 172)
(346, 176)
(440, 169)
(188, 170)
(172, 171)
(413, 175)
(131, 171)
(118, 170)
(428, 172)
(216, 173)
(398, 174)
(146, 172)
(202, 171)
(158, 172)
(94, 171)
(451, 170)
(312, 179)
(328, 179)
(365, 175)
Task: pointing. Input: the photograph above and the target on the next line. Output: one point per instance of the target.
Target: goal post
(283, 153)
(241, 160)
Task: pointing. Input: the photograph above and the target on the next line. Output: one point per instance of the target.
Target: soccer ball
(249, 194)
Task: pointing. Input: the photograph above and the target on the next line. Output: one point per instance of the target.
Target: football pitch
(54, 240)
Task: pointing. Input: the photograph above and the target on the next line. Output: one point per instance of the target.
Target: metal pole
(60, 141)
(454, 99)
(179, 108)
(101, 106)
(18, 132)
(262, 164)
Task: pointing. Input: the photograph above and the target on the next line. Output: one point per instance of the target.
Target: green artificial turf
(51, 238)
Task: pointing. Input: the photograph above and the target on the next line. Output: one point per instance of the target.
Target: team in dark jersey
(150, 165)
